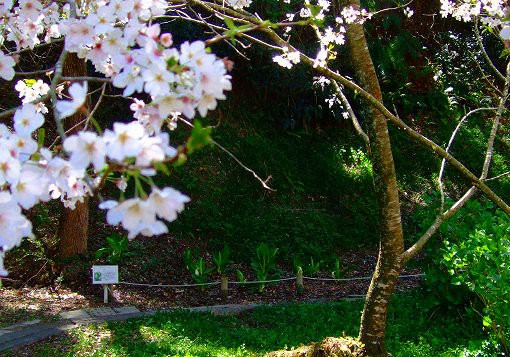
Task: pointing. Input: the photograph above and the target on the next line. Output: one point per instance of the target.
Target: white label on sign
(105, 274)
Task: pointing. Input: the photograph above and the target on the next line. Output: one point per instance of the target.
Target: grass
(412, 331)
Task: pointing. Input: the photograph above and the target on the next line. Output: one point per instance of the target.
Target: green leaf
(102, 251)
(199, 138)
(160, 166)
(41, 133)
(314, 9)
(230, 24)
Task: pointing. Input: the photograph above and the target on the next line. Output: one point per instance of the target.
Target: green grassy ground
(412, 331)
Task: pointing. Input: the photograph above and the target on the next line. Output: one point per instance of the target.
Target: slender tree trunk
(391, 247)
(73, 227)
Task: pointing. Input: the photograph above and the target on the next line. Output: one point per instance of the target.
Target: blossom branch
(323, 69)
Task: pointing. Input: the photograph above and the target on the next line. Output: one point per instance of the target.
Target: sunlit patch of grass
(412, 331)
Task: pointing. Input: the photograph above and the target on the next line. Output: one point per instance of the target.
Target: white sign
(105, 274)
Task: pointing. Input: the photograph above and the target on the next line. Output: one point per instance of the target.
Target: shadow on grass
(411, 332)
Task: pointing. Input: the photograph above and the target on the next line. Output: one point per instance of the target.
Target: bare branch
(91, 114)
(86, 79)
(496, 71)
(392, 8)
(499, 176)
(84, 121)
(28, 49)
(59, 67)
(353, 116)
(34, 73)
(229, 153)
(495, 126)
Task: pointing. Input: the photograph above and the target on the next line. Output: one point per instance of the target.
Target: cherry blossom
(86, 148)
(124, 140)
(136, 216)
(31, 187)
(78, 93)
(6, 67)
(168, 202)
(13, 226)
(27, 119)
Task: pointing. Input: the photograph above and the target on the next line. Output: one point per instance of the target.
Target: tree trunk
(73, 227)
(391, 246)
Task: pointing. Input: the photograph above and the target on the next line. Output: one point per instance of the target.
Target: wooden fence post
(224, 287)
(105, 293)
(299, 281)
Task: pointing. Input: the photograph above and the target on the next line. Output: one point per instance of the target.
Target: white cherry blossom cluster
(239, 4)
(120, 39)
(139, 216)
(30, 91)
(351, 15)
(329, 36)
(139, 58)
(287, 59)
(30, 23)
(491, 11)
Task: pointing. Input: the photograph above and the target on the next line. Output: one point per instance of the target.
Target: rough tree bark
(73, 227)
(391, 246)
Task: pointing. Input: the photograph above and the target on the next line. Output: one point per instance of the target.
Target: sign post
(105, 275)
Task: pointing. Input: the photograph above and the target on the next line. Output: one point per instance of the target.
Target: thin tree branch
(59, 67)
(496, 71)
(229, 153)
(86, 79)
(100, 99)
(11, 111)
(353, 116)
(34, 73)
(28, 49)
(86, 120)
(499, 176)
(495, 126)
(391, 8)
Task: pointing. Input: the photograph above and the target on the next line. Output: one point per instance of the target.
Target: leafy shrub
(222, 260)
(310, 269)
(481, 261)
(338, 271)
(117, 248)
(197, 267)
(264, 263)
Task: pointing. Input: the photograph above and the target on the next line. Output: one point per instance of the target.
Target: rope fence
(224, 283)
(295, 278)
(170, 286)
(359, 278)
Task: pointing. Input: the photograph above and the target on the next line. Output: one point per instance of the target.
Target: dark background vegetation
(278, 124)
